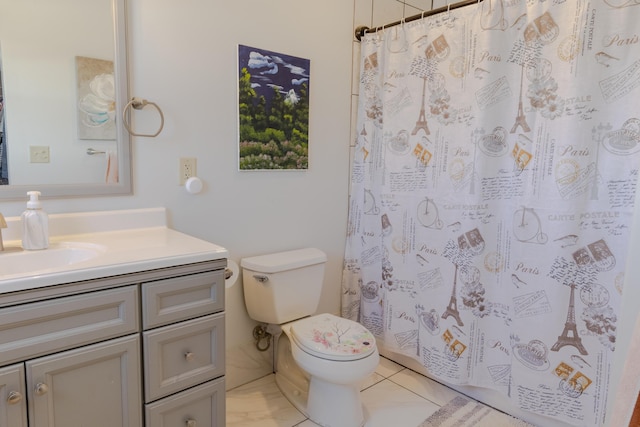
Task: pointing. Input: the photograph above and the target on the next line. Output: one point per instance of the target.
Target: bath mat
(462, 412)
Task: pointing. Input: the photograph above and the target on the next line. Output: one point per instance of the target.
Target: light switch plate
(39, 154)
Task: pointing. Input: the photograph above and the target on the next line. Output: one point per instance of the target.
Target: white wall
(183, 57)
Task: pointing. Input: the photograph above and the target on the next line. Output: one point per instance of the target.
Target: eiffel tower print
(422, 119)
(452, 308)
(570, 333)
(521, 120)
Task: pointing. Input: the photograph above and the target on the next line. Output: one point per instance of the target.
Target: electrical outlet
(187, 168)
(39, 154)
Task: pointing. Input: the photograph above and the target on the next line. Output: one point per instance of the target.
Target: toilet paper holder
(231, 274)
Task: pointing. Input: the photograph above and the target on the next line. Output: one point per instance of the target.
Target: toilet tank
(283, 286)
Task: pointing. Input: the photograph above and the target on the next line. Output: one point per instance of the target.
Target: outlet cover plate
(187, 168)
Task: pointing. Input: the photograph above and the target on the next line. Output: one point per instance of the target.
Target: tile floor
(392, 396)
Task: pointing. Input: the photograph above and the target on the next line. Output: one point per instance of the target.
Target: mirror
(63, 80)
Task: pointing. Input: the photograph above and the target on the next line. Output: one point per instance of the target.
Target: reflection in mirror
(4, 173)
(63, 85)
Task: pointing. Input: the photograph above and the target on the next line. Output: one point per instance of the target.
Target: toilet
(320, 360)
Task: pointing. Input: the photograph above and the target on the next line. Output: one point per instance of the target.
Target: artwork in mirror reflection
(273, 110)
(61, 72)
(96, 98)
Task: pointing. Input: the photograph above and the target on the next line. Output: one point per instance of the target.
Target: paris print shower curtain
(493, 183)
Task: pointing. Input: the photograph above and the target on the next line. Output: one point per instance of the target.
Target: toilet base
(291, 390)
(334, 405)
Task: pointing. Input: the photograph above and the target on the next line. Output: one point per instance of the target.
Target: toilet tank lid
(283, 261)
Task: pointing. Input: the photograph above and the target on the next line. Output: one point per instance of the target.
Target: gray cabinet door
(13, 402)
(96, 385)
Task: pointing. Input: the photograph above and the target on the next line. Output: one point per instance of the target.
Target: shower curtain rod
(362, 30)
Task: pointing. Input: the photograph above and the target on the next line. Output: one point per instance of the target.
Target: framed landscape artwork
(273, 110)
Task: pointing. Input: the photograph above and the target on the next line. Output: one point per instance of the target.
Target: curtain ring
(378, 32)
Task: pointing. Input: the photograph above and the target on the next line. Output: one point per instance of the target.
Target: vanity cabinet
(141, 349)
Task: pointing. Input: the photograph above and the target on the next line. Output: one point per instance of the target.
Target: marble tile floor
(392, 396)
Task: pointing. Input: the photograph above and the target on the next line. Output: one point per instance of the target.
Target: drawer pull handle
(41, 388)
(191, 423)
(189, 357)
(14, 397)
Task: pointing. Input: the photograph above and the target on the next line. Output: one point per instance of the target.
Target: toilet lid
(334, 338)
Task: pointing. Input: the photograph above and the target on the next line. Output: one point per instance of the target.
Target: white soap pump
(35, 224)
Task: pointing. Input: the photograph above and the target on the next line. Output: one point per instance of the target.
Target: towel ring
(139, 104)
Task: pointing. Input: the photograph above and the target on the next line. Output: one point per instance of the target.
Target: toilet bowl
(337, 354)
(320, 360)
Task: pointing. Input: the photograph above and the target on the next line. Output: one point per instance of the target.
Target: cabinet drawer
(183, 355)
(180, 298)
(201, 406)
(44, 327)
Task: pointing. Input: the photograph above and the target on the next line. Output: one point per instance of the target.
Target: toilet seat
(333, 338)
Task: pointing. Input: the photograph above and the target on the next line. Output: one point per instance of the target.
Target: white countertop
(127, 242)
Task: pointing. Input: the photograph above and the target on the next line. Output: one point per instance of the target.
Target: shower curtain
(492, 190)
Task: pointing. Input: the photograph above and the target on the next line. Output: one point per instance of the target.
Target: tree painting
(273, 110)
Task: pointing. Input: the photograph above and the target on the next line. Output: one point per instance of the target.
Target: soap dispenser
(35, 224)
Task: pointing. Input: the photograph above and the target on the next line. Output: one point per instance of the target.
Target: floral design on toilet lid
(332, 337)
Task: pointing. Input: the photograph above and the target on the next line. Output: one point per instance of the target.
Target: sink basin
(16, 261)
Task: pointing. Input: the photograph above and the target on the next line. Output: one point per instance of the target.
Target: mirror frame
(124, 185)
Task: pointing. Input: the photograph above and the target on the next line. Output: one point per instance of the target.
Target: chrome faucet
(3, 224)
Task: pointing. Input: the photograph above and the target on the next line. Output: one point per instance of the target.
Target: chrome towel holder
(139, 104)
